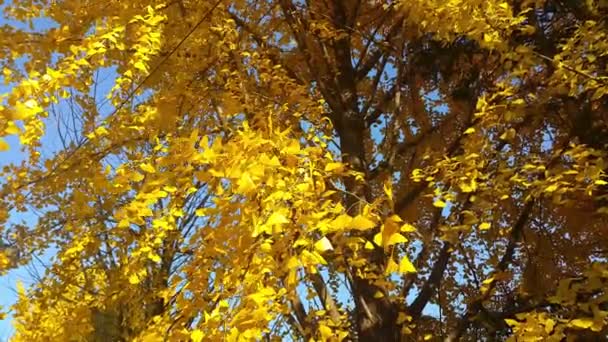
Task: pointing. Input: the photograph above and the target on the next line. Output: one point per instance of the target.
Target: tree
(363, 170)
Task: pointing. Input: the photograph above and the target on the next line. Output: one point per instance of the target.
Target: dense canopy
(373, 170)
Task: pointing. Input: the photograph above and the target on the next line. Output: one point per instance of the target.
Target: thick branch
(429, 287)
(326, 299)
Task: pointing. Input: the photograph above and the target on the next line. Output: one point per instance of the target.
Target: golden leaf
(4, 145)
(406, 266)
(337, 167)
(362, 223)
(485, 226)
(581, 323)
(439, 204)
(147, 167)
(395, 238)
(196, 335)
(245, 184)
(323, 245)
(407, 228)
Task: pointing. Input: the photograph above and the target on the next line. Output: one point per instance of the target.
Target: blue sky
(51, 144)
(7, 282)
(14, 155)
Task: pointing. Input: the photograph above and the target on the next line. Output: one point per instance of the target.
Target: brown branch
(571, 69)
(507, 258)
(273, 56)
(404, 201)
(326, 299)
(366, 66)
(407, 145)
(409, 279)
(300, 321)
(477, 305)
(374, 91)
(429, 287)
(298, 26)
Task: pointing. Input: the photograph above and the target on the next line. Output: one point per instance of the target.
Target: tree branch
(428, 289)
(273, 56)
(477, 305)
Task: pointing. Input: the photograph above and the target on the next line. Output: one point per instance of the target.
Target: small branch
(569, 68)
(477, 305)
(406, 145)
(326, 299)
(258, 39)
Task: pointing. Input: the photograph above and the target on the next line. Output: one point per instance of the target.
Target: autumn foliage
(331, 170)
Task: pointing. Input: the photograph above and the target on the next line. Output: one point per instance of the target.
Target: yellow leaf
(101, 131)
(551, 188)
(369, 245)
(262, 228)
(341, 222)
(406, 266)
(428, 337)
(600, 182)
(292, 148)
(136, 176)
(402, 317)
(337, 167)
(391, 266)
(11, 128)
(581, 323)
(154, 257)
(245, 183)
(439, 204)
(549, 325)
(326, 333)
(407, 228)
(378, 239)
(388, 190)
(196, 335)
(170, 189)
(508, 134)
(147, 167)
(323, 245)
(4, 145)
(312, 258)
(277, 218)
(395, 239)
(266, 247)
(293, 263)
(396, 218)
(257, 170)
(26, 110)
(485, 226)
(378, 295)
(140, 66)
(362, 223)
(488, 281)
(469, 130)
(134, 279)
(467, 187)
